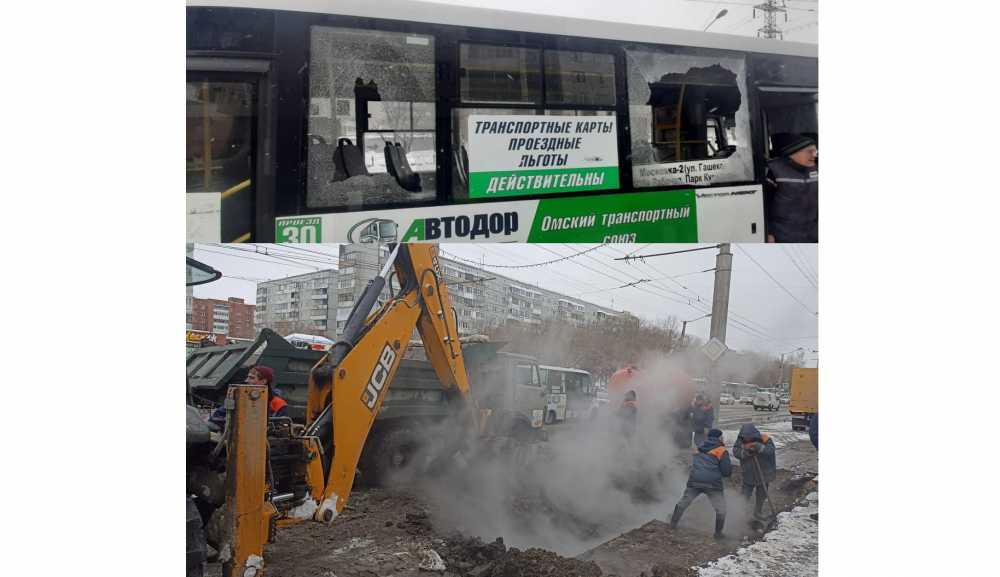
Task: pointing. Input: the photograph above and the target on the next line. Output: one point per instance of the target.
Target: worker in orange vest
(709, 468)
(258, 375)
(261, 375)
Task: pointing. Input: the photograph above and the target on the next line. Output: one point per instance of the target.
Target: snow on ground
(790, 550)
(781, 433)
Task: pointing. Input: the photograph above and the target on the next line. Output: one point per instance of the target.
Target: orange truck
(804, 397)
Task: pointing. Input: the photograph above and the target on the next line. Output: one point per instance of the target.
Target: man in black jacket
(752, 445)
(710, 465)
(791, 190)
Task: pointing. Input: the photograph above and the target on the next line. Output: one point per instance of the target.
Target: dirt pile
(474, 558)
(415, 523)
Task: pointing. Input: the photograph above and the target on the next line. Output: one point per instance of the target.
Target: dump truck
(804, 397)
(507, 383)
(210, 370)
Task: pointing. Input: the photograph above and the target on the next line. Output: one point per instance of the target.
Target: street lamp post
(718, 16)
(684, 327)
(781, 366)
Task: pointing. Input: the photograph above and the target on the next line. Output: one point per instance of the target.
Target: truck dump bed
(804, 396)
(210, 370)
(415, 392)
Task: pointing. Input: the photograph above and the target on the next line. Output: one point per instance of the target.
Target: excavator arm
(348, 385)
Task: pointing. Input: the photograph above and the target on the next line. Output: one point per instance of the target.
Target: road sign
(714, 349)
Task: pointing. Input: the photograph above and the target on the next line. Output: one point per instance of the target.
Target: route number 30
(299, 231)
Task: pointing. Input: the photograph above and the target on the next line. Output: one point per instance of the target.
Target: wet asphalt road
(739, 414)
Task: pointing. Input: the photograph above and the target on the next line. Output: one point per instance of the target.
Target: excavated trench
(395, 532)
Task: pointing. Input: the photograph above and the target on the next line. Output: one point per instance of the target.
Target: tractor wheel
(394, 453)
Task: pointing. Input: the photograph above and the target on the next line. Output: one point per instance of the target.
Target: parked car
(746, 400)
(726, 399)
(766, 401)
(784, 399)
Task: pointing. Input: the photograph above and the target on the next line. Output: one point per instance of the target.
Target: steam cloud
(587, 483)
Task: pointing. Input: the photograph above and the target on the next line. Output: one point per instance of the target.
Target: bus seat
(348, 160)
(403, 173)
(390, 159)
(339, 167)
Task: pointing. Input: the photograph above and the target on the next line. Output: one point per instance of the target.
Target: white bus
(572, 394)
(349, 121)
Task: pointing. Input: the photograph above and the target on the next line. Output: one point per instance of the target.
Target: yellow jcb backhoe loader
(276, 472)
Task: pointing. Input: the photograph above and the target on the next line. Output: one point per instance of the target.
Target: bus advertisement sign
(662, 216)
(520, 155)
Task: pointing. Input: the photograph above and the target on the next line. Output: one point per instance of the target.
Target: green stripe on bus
(545, 181)
(661, 216)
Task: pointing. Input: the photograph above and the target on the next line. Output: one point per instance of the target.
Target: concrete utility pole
(720, 315)
(720, 295)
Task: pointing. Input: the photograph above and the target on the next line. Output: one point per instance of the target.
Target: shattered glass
(675, 99)
(393, 74)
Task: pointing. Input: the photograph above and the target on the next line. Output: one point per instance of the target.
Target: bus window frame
(559, 44)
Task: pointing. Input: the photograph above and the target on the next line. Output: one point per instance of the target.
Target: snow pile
(791, 550)
(432, 561)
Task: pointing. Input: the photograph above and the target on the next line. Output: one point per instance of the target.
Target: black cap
(714, 433)
(788, 144)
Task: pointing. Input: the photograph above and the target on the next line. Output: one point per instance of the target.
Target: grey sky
(689, 14)
(762, 315)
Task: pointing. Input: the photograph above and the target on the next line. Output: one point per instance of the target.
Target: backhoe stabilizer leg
(327, 510)
(246, 523)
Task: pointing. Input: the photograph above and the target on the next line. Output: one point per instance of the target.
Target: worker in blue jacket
(708, 468)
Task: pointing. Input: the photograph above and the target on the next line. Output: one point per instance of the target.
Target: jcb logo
(379, 375)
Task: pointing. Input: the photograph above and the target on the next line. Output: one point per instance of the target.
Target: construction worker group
(711, 463)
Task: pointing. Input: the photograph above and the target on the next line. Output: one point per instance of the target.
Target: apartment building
(304, 303)
(483, 299)
(232, 317)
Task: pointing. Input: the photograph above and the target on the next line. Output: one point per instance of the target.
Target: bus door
(788, 110)
(530, 397)
(229, 179)
(556, 410)
(578, 401)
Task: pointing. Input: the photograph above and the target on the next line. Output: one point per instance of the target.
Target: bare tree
(601, 347)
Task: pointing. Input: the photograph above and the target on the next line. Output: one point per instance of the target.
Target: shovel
(773, 520)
